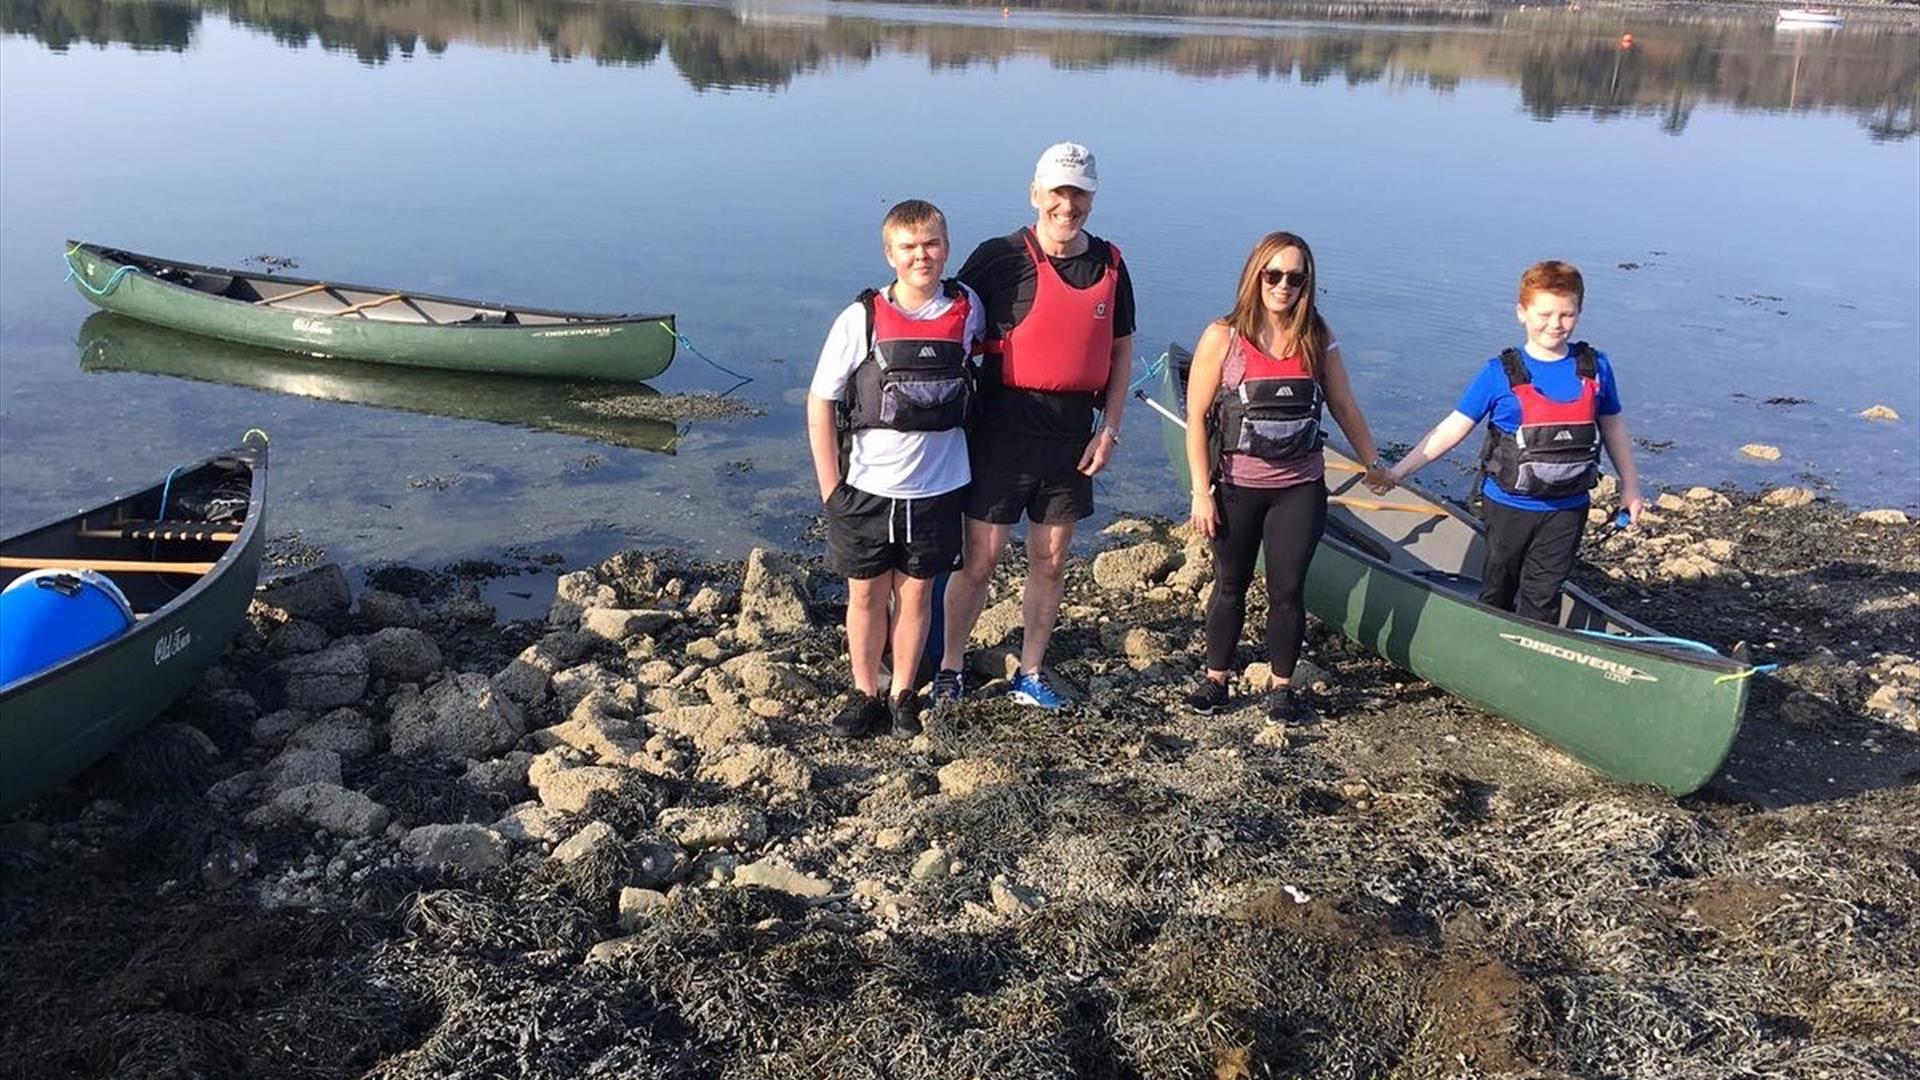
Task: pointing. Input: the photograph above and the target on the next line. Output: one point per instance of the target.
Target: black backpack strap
(1515, 367)
(952, 287)
(1585, 364)
(866, 299)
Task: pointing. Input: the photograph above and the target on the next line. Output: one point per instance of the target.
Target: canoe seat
(489, 317)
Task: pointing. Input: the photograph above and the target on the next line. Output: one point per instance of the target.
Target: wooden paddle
(354, 309)
(105, 566)
(291, 295)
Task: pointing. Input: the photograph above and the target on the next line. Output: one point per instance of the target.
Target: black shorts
(1035, 475)
(870, 535)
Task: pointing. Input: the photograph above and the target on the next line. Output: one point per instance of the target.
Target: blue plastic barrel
(47, 616)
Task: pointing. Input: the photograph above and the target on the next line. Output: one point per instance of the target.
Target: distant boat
(620, 414)
(372, 323)
(179, 559)
(1811, 17)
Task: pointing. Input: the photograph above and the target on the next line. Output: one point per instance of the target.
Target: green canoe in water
(371, 323)
(1399, 574)
(185, 554)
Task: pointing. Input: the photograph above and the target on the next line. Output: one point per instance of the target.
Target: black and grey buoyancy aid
(1556, 451)
(1274, 413)
(915, 375)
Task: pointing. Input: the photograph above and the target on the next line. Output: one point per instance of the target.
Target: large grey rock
(505, 776)
(576, 592)
(1133, 568)
(619, 624)
(773, 598)
(343, 731)
(639, 905)
(402, 654)
(711, 727)
(380, 609)
(460, 849)
(324, 806)
(275, 727)
(297, 637)
(700, 828)
(572, 686)
(571, 790)
(761, 674)
(318, 594)
(334, 676)
(595, 838)
(769, 874)
(750, 764)
(998, 622)
(600, 726)
(460, 716)
(294, 768)
(530, 822)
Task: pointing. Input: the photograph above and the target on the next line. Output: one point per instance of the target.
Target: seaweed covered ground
(391, 837)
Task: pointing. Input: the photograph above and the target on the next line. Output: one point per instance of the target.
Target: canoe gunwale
(248, 540)
(577, 319)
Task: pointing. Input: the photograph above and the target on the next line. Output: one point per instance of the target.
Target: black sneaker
(949, 688)
(1284, 706)
(1207, 697)
(906, 714)
(862, 716)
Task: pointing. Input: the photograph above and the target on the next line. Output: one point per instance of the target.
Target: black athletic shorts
(1035, 475)
(870, 535)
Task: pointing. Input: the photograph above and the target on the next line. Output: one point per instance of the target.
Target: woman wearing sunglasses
(1262, 378)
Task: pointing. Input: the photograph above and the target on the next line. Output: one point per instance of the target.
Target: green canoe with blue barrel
(1398, 574)
(372, 323)
(108, 615)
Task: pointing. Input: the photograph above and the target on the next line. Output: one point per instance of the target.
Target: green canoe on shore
(1398, 574)
(370, 323)
(186, 555)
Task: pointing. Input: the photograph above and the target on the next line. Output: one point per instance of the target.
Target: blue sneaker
(1036, 690)
(948, 688)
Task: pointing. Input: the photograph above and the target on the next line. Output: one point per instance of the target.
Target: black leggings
(1287, 523)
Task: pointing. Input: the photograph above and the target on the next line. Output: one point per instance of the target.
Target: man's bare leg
(1046, 583)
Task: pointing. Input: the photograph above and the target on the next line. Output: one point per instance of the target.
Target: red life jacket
(915, 375)
(1556, 451)
(1275, 412)
(1065, 343)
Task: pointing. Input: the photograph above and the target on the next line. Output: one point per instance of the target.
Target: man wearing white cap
(1058, 349)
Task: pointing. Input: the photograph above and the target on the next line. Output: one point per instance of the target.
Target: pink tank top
(1245, 470)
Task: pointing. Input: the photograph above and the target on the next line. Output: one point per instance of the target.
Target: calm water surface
(1745, 201)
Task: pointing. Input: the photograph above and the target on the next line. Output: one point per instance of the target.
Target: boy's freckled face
(918, 254)
(1549, 318)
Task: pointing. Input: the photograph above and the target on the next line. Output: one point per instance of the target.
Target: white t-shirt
(895, 464)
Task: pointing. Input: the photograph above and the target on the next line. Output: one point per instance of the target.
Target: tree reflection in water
(1563, 63)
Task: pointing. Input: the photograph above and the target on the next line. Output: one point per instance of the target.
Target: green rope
(73, 274)
(711, 362)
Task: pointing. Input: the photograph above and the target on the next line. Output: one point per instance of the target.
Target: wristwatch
(1111, 432)
(1378, 462)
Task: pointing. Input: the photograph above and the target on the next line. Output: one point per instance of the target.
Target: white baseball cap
(1066, 164)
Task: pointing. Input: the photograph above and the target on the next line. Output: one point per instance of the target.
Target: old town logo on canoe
(1612, 669)
(312, 326)
(171, 644)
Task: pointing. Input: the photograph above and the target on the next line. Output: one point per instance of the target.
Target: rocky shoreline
(392, 836)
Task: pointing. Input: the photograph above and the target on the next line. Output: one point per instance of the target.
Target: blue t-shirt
(1489, 395)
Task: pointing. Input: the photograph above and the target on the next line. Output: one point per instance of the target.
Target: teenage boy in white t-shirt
(894, 376)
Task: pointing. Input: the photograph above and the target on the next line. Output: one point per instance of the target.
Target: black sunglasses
(1295, 278)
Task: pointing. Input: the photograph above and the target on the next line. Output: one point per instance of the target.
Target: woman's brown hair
(1303, 329)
